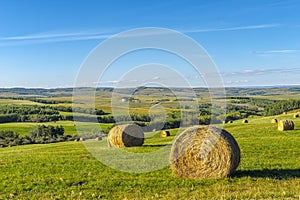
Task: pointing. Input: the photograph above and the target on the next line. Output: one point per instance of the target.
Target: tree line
(39, 135)
(42, 134)
(281, 106)
(37, 113)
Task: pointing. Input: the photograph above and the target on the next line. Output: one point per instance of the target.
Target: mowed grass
(24, 128)
(269, 169)
(18, 102)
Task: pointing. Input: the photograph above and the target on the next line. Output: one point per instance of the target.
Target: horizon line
(112, 87)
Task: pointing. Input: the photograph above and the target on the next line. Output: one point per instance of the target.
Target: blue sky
(43, 43)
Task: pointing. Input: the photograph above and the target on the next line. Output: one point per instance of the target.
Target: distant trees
(90, 111)
(4, 118)
(281, 106)
(24, 113)
(39, 135)
(48, 101)
(26, 109)
(47, 131)
(8, 138)
(37, 113)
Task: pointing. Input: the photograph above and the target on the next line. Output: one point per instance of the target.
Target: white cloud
(96, 35)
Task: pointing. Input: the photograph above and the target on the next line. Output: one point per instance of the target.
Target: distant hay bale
(165, 134)
(274, 121)
(127, 135)
(245, 121)
(76, 140)
(285, 125)
(296, 115)
(225, 121)
(284, 113)
(98, 138)
(154, 130)
(230, 122)
(81, 139)
(203, 152)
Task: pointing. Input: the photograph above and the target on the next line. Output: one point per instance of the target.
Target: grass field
(69, 126)
(18, 102)
(269, 169)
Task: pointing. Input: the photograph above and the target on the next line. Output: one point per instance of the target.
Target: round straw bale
(284, 125)
(203, 152)
(127, 135)
(245, 121)
(98, 138)
(153, 130)
(284, 113)
(81, 139)
(274, 121)
(165, 134)
(296, 115)
(230, 122)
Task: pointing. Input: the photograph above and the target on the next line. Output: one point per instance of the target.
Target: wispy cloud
(235, 28)
(96, 35)
(52, 37)
(237, 82)
(280, 51)
(283, 4)
(41, 36)
(256, 72)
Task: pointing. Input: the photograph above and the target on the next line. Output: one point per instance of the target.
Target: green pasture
(69, 126)
(19, 102)
(269, 169)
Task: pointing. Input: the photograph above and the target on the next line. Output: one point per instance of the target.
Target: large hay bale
(284, 125)
(165, 134)
(274, 121)
(203, 152)
(245, 121)
(127, 135)
(296, 115)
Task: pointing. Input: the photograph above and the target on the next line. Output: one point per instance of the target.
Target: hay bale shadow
(269, 173)
(156, 145)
